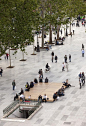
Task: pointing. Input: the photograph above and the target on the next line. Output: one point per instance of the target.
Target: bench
(43, 88)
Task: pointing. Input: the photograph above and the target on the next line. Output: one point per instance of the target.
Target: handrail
(14, 105)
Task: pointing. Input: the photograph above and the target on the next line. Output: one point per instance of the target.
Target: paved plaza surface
(69, 110)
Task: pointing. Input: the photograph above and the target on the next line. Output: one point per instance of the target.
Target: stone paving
(69, 110)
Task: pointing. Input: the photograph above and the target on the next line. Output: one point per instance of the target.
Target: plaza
(69, 110)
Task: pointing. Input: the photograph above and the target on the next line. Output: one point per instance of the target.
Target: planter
(10, 66)
(23, 60)
(33, 54)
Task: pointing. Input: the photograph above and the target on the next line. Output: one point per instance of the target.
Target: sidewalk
(68, 110)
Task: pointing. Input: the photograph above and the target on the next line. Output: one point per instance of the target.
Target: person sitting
(62, 88)
(31, 84)
(47, 67)
(44, 98)
(29, 97)
(55, 96)
(60, 93)
(27, 87)
(66, 84)
(47, 48)
(35, 81)
(22, 97)
(16, 97)
(40, 78)
(21, 92)
(46, 80)
(63, 38)
(40, 98)
(59, 43)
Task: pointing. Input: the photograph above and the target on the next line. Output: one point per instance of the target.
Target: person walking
(65, 58)
(83, 78)
(82, 46)
(80, 75)
(1, 71)
(61, 31)
(7, 55)
(13, 84)
(69, 58)
(52, 55)
(67, 66)
(73, 32)
(83, 52)
(56, 59)
(63, 66)
(80, 82)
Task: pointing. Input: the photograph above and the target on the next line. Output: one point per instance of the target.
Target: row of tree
(19, 19)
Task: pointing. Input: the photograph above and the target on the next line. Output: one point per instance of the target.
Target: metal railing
(10, 107)
(14, 105)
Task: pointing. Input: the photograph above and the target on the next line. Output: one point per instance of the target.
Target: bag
(15, 87)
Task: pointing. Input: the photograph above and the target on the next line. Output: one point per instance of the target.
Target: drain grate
(67, 123)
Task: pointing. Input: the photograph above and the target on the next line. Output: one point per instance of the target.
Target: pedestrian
(83, 78)
(1, 71)
(73, 32)
(63, 66)
(83, 52)
(65, 58)
(52, 55)
(82, 46)
(69, 58)
(13, 84)
(80, 75)
(67, 66)
(7, 55)
(61, 31)
(80, 82)
(56, 59)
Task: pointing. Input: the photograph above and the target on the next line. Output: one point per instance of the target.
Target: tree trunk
(50, 36)
(43, 26)
(9, 57)
(57, 33)
(58, 28)
(33, 48)
(23, 55)
(64, 32)
(70, 26)
(42, 36)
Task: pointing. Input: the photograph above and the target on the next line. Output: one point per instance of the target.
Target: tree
(17, 23)
(73, 9)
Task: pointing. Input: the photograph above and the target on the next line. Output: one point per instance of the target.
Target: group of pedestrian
(65, 63)
(81, 79)
(52, 54)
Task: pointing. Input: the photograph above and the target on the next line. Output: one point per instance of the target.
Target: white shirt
(29, 97)
(21, 96)
(45, 97)
(63, 65)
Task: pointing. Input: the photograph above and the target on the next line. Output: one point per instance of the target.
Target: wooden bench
(43, 88)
